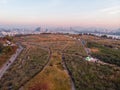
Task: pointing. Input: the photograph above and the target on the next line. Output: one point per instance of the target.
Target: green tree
(1, 47)
(7, 49)
(104, 36)
(10, 38)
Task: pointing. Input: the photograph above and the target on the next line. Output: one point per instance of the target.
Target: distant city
(71, 30)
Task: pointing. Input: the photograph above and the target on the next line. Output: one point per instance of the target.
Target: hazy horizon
(85, 13)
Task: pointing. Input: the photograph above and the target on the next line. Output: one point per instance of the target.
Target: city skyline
(104, 13)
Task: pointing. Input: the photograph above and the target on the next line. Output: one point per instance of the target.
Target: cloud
(111, 10)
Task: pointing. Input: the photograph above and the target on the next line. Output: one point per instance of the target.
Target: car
(9, 61)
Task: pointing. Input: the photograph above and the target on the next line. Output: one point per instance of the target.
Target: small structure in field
(91, 59)
(8, 43)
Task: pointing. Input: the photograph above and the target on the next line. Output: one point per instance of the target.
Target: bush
(9, 38)
(1, 47)
(7, 49)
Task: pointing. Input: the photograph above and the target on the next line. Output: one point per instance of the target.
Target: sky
(104, 13)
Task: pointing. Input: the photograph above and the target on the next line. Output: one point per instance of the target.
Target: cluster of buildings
(8, 43)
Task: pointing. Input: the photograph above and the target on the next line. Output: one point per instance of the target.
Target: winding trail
(66, 69)
(55, 64)
(47, 63)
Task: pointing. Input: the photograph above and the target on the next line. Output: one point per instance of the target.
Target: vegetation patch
(51, 78)
(28, 64)
(92, 76)
(6, 51)
(106, 54)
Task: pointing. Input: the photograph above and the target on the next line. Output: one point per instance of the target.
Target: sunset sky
(61, 12)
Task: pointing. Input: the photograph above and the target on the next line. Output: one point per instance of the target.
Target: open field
(30, 62)
(40, 65)
(92, 76)
(95, 76)
(105, 53)
(53, 77)
(75, 48)
(34, 57)
(104, 41)
(108, 50)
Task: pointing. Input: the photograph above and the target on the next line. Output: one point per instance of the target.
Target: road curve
(10, 61)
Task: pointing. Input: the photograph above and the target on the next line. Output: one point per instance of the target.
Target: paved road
(10, 61)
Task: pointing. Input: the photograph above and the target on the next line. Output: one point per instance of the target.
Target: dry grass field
(40, 65)
(38, 50)
(53, 77)
(104, 41)
(95, 76)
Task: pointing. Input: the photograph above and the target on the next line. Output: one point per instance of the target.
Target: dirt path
(66, 69)
(49, 50)
(53, 76)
